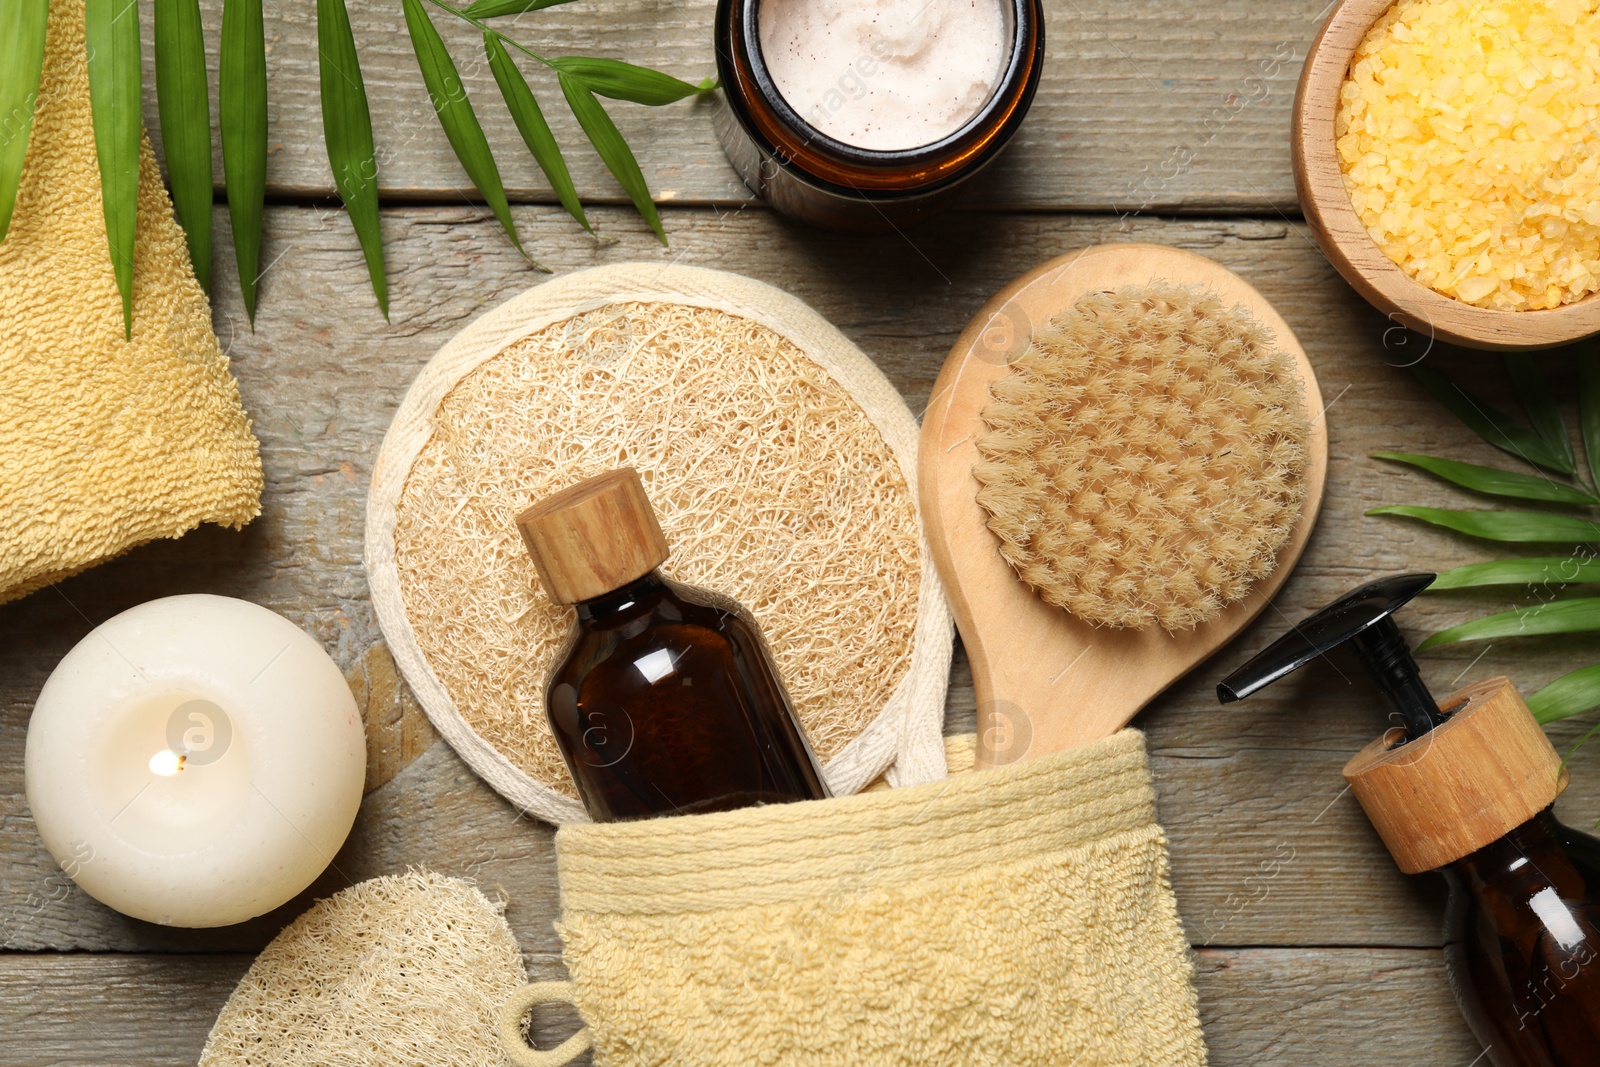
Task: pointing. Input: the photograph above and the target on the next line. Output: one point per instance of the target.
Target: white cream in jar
(884, 75)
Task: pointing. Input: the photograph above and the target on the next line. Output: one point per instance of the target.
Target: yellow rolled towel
(104, 444)
(1020, 916)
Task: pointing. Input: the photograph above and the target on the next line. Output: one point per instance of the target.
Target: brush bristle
(1145, 459)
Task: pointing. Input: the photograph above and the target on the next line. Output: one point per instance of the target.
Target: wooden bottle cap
(593, 537)
(1488, 769)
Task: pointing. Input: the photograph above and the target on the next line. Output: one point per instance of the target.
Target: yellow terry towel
(1020, 916)
(104, 444)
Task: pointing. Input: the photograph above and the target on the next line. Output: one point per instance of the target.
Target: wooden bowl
(1344, 240)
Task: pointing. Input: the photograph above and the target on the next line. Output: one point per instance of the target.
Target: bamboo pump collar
(1460, 773)
(1487, 769)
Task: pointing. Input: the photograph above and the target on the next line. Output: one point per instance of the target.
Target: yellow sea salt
(1469, 136)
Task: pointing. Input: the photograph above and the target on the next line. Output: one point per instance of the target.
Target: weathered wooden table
(1159, 120)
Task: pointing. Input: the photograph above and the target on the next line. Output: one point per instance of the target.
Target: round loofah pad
(1145, 457)
(406, 969)
(778, 458)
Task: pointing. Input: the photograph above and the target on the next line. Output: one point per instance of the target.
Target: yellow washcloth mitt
(104, 444)
(1020, 916)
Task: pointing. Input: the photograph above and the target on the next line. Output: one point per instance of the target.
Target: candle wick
(166, 763)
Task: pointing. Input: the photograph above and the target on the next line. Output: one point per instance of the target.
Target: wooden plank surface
(1311, 948)
(1241, 786)
(1267, 848)
(1259, 1007)
(1144, 104)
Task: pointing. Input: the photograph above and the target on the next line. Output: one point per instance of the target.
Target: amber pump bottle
(1465, 786)
(664, 699)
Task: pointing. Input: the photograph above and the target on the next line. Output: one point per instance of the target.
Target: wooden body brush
(1150, 455)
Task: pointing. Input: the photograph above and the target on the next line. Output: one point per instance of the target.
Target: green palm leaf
(1540, 403)
(613, 150)
(184, 99)
(1535, 570)
(1495, 482)
(347, 131)
(488, 9)
(242, 99)
(1493, 425)
(449, 98)
(1589, 409)
(112, 32)
(1571, 694)
(532, 125)
(1578, 615)
(625, 81)
(22, 33)
(1532, 526)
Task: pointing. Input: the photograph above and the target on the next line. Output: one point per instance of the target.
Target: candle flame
(166, 763)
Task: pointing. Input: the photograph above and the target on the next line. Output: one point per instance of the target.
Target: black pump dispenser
(1361, 617)
(1474, 802)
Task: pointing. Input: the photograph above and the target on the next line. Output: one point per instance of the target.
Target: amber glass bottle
(1522, 940)
(664, 699)
(1464, 787)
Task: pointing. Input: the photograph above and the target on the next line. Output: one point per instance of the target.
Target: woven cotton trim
(817, 849)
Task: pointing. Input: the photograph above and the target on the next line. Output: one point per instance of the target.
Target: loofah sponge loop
(513, 1031)
(1145, 458)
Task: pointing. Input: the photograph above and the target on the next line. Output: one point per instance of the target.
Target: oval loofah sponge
(1145, 458)
(777, 456)
(404, 969)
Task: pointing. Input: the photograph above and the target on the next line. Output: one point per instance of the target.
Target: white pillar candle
(195, 761)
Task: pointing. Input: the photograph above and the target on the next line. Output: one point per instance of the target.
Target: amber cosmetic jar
(808, 175)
